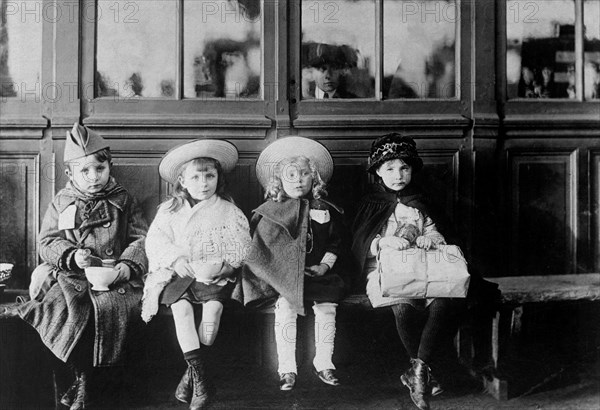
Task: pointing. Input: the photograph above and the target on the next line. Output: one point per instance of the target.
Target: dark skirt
(328, 288)
(194, 292)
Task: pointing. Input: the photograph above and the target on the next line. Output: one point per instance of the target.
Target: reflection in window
(419, 48)
(591, 45)
(338, 49)
(222, 49)
(540, 55)
(136, 48)
(20, 49)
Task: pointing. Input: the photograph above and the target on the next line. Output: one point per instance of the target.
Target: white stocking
(324, 335)
(285, 336)
(183, 314)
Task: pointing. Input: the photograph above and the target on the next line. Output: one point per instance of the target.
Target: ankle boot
(67, 398)
(185, 388)
(81, 399)
(417, 381)
(200, 395)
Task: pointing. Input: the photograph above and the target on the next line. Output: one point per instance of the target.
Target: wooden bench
(518, 291)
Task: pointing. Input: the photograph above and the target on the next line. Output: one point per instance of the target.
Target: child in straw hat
(196, 242)
(296, 243)
(93, 218)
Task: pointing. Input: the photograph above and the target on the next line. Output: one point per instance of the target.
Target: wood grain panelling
(595, 196)
(138, 173)
(543, 212)
(242, 184)
(19, 202)
(439, 180)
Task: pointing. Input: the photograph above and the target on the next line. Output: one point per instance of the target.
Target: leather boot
(200, 395)
(185, 388)
(81, 400)
(417, 381)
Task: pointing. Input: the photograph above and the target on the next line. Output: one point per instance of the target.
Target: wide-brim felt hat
(289, 147)
(223, 151)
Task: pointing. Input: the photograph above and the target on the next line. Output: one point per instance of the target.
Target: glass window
(419, 46)
(173, 49)
(338, 54)
(136, 48)
(540, 54)
(21, 49)
(222, 49)
(591, 44)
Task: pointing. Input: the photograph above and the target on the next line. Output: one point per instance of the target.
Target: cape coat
(116, 229)
(277, 258)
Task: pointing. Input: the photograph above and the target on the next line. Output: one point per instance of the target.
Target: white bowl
(100, 277)
(205, 271)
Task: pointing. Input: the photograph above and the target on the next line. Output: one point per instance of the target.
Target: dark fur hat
(394, 146)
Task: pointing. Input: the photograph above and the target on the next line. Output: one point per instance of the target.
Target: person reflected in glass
(327, 68)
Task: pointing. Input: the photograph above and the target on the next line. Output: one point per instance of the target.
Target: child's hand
(124, 273)
(316, 270)
(183, 269)
(394, 242)
(424, 242)
(82, 258)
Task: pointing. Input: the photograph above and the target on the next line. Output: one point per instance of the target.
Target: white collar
(320, 93)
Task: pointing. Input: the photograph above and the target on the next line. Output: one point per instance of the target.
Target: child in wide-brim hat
(297, 243)
(195, 245)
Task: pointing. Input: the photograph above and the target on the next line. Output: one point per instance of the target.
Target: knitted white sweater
(212, 231)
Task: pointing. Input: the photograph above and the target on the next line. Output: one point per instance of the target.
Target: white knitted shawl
(212, 231)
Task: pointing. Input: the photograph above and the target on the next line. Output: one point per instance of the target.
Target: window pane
(540, 51)
(21, 49)
(591, 75)
(338, 49)
(136, 48)
(419, 47)
(222, 49)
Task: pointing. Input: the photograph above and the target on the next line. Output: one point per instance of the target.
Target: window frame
(251, 115)
(27, 119)
(338, 113)
(554, 112)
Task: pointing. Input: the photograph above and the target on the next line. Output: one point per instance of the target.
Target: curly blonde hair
(274, 190)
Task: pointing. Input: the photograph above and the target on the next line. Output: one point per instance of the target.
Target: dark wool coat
(115, 229)
(277, 258)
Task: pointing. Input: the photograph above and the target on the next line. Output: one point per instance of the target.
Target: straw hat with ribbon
(293, 147)
(223, 151)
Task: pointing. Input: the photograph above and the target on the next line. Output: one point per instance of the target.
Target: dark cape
(372, 214)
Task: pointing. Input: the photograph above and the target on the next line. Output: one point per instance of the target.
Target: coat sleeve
(134, 255)
(55, 248)
(160, 243)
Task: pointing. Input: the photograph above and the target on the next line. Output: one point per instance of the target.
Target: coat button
(121, 291)
(78, 288)
(106, 225)
(109, 252)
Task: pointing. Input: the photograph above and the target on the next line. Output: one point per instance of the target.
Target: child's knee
(325, 309)
(42, 279)
(182, 309)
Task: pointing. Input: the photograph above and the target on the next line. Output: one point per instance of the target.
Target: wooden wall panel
(19, 210)
(138, 173)
(543, 212)
(595, 197)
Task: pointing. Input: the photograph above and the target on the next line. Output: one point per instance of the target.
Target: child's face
(327, 78)
(297, 179)
(396, 174)
(200, 180)
(88, 174)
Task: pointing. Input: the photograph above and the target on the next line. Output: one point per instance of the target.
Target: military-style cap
(82, 141)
